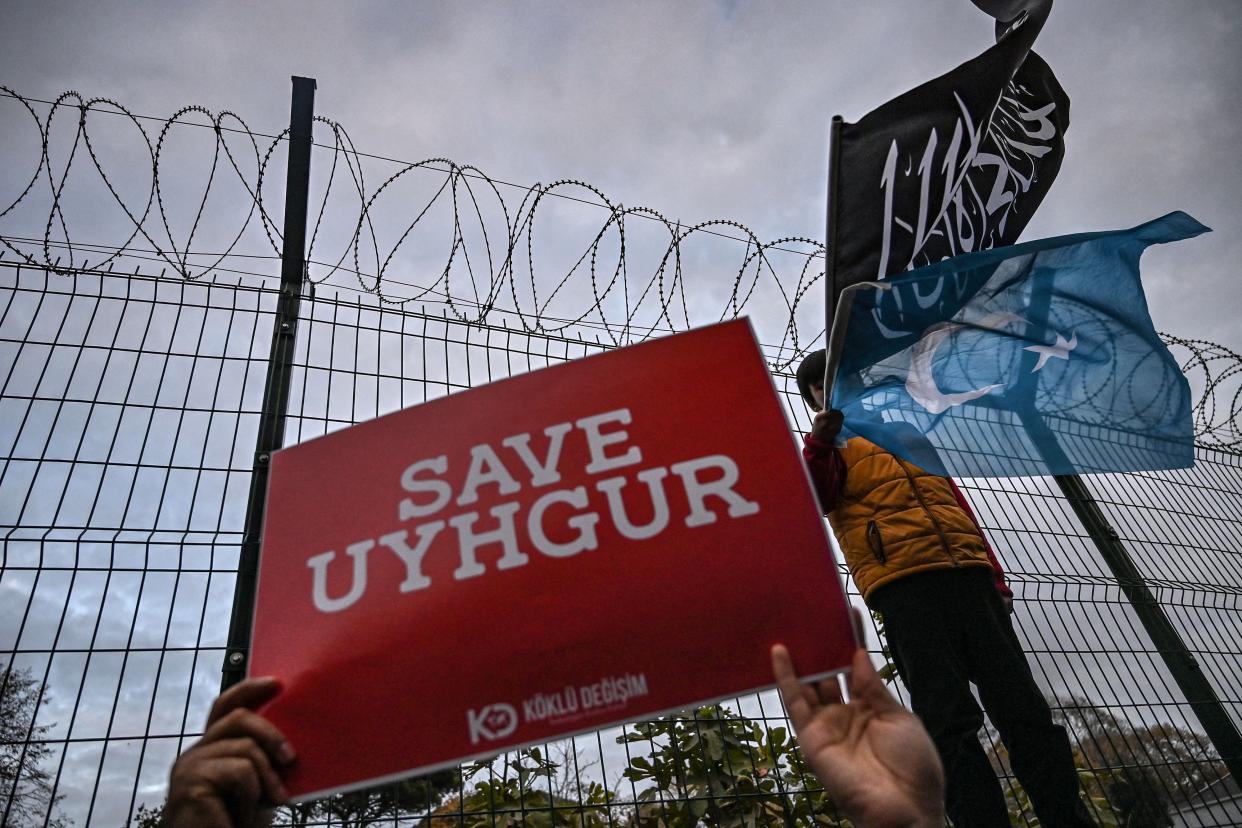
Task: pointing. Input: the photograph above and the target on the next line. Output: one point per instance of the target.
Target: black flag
(956, 165)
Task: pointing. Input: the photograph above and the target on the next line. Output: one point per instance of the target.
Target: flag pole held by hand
(836, 333)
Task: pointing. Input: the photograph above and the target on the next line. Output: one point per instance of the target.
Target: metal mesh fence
(128, 413)
(128, 421)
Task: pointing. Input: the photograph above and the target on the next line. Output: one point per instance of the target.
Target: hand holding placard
(231, 776)
(583, 563)
(873, 758)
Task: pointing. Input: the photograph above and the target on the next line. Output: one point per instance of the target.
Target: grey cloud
(700, 110)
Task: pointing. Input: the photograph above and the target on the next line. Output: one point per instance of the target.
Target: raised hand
(229, 778)
(827, 425)
(872, 755)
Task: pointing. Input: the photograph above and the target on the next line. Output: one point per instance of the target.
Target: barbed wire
(488, 265)
(1218, 408)
(490, 261)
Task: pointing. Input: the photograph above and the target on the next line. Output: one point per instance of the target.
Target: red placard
(582, 545)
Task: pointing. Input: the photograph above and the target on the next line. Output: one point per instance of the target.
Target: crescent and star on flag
(921, 382)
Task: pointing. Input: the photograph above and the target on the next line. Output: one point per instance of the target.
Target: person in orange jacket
(918, 556)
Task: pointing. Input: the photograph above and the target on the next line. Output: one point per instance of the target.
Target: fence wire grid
(128, 415)
(130, 404)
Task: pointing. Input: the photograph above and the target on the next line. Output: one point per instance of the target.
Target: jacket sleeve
(998, 572)
(827, 471)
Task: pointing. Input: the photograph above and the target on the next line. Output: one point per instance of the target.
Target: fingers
(232, 717)
(249, 693)
(860, 629)
(234, 775)
(830, 418)
(826, 425)
(218, 759)
(246, 724)
(867, 686)
(233, 767)
(831, 421)
(783, 672)
(237, 732)
(206, 788)
(829, 691)
(800, 701)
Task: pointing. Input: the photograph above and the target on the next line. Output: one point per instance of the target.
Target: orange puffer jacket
(894, 519)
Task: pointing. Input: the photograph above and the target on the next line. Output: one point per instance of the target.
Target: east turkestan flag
(954, 166)
(1035, 359)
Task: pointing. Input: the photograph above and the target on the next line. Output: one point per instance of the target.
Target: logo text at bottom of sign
(499, 719)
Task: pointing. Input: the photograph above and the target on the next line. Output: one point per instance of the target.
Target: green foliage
(1130, 776)
(708, 767)
(360, 809)
(888, 670)
(712, 767)
(383, 804)
(530, 790)
(146, 817)
(1149, 768)
(1094, 792)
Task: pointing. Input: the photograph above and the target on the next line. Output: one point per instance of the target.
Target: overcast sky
(700, 110)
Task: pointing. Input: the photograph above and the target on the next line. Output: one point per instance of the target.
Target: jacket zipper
(935, 522)
(876, 542)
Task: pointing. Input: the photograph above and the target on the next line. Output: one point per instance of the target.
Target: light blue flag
(1035, 359)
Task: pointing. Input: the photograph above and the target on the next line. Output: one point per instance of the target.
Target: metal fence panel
(128, 414)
